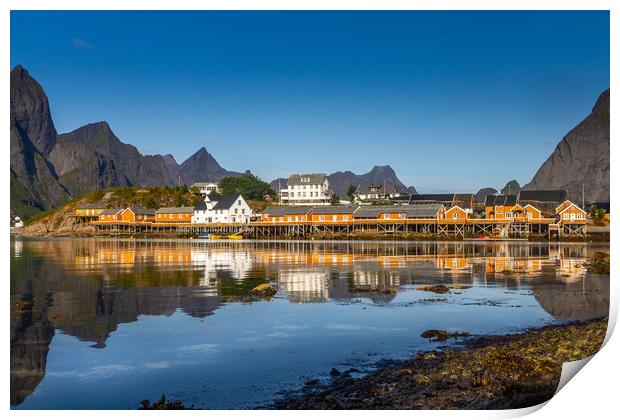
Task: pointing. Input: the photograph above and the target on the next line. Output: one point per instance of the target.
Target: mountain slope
(580, 159)
(34, 183)
(201, 166)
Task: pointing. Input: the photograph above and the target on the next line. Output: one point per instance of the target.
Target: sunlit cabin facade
(499, 206)
(456, 214)
(333, 214)
(90, 210)
(111, 215)
(570, 213)
(286, 214)
(174, 215)
(138, 215)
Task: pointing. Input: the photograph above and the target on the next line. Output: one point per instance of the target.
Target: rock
(581, 159)
(335, 372)
(511, 188)
(438, 288)
(442, 335)
(264, 290)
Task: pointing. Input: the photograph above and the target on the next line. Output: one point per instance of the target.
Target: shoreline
(488, 372)
(391, 237)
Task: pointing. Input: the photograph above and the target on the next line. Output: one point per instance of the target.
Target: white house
(306, 189)
(226, 209)
(206, 187)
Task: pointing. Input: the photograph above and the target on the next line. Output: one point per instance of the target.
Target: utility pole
(583, 194)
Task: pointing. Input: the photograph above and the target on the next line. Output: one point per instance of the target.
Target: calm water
(108, 323)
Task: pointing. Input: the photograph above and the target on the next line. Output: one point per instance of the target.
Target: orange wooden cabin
(499, 206)
(110, 215)
(456, 214)
(90, 210)
(326, 214)
(174, 215)
(569, 212)
(287, 214)
(137, 215)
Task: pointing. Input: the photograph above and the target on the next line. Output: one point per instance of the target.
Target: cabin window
(334, 218)
(455, 215)
(345, 218)
(321, 218)
(508, 214)
(386, 216)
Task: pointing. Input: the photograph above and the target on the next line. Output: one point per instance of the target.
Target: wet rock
(264, 290)
(442, 335)
(438, 288)
(335, 372)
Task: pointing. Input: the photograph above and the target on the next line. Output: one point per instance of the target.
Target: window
(386, 216)
(455, 215)
(334, 218)
(508, 214)
(321, 218)
(345, 218)
(238, 202)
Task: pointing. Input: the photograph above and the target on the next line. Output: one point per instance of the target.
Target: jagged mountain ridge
(339, 181)
(48, 169)
(581, 159)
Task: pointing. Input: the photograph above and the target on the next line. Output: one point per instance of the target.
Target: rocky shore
(491, 372)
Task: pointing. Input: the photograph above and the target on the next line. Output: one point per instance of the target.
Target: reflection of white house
(304, 286)
(234, 264)
(226, 209)
(206, 187)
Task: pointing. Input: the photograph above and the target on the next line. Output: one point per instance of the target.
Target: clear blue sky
(451, 100)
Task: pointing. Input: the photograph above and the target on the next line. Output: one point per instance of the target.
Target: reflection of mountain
(86, 288)
(583, 299)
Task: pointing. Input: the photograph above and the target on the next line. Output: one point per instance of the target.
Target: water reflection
(87, 288)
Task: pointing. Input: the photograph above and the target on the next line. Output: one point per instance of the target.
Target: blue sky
(451, 100)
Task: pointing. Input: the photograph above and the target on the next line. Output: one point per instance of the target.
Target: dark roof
(175, 210)
(282, 210)
(500, 200)
(226, 201)
(112, 211)
(202, 205)
(295, 179)
(143, 211)
(448, 198)
(334, 209)
(411, 210)
(92, 206)
(550, 196)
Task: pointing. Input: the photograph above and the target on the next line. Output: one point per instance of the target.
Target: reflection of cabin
(139, 215)
(110, 215)
(174, 215)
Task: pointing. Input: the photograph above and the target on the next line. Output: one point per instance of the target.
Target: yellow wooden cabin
(90, 210)
(456, 214)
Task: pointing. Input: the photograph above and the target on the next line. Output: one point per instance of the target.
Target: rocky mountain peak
(30, 111)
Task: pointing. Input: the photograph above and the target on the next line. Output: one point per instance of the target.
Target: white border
(593, 394)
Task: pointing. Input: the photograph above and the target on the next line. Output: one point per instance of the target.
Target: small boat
(204, 235)
(237, 237)
(215, 236)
